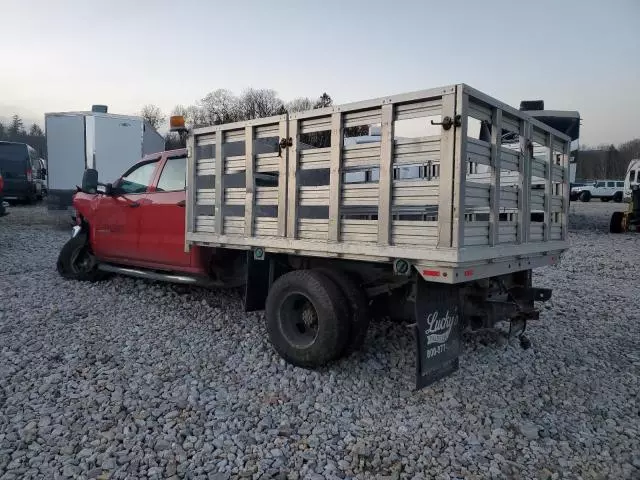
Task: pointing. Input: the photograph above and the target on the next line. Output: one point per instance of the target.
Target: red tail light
(1, 183)
(29, 175)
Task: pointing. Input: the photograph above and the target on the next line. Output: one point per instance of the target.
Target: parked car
(17, 162)
(40, 178)
(605, 190)
(3, 209)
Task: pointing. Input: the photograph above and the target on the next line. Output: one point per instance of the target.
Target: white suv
(605, 190)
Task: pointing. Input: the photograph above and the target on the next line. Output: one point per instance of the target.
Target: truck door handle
(181, 203)
(134, 204)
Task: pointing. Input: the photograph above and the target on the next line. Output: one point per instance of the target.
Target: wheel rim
(298, 320)
(80, 261)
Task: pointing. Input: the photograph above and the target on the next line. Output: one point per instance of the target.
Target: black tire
(617, 197)
(359, 314)
(585, 196)
(76, 262)
(296, 299)
(615, 226)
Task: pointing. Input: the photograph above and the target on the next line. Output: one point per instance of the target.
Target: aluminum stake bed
(411, 203)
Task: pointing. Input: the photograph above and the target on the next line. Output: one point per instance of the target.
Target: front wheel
(585, 196)
(76, 262)
(307, 321)
(617, 197)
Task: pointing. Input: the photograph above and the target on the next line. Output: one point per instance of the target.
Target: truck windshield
(13, 159)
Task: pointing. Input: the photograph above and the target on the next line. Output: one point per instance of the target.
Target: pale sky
(576, 55)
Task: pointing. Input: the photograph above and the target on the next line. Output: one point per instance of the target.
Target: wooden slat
(267, 131)
(266, 162)
(418, 233)
(429, 108)
(315, 229)
(206, 167)
(313, 196)
(206, 196)
(363, 155)
(311, 125)
(235, 196)
(266, 195)
(233, 135)
(359, 194)
(314, 158)
(415, 192)
(234, 225)
(235, 164)
(477, 194)
(265, 227)
(362, 117)
(416, 150)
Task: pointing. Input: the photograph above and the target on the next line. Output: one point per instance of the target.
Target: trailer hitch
(448, 122)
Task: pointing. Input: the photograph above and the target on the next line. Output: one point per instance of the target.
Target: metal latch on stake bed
(448, 122)
(284, 143)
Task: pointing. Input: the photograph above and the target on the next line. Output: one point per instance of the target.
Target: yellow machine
(628, 221)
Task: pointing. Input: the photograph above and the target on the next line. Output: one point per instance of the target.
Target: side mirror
(108, 189)
(90, 181)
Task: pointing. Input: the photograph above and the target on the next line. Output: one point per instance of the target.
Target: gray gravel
(127, 379)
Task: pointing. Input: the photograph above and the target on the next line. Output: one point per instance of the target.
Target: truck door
(116, 226)
(162, 218)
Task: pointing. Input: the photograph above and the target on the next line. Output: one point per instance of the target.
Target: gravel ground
(127, 379)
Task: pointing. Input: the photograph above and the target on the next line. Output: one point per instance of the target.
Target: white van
(631, 178)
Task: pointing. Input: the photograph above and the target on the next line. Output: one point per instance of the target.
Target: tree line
(15, 131)
(223, 106)
(606, 161)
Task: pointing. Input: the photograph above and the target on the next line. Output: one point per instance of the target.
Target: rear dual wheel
(315, 316)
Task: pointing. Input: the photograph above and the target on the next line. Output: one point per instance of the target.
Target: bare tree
(152, 114)
(259, 103)
(220, 106)
(299, 104)
(195, 116)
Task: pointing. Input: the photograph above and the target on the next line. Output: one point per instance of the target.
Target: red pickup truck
(137, 228)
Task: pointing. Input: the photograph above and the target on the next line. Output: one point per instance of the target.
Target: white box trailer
(96, 139)
(447, 245)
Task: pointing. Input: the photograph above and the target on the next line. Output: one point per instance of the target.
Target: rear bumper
(18, 190)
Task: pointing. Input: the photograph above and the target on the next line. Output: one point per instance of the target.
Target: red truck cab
(136, 226)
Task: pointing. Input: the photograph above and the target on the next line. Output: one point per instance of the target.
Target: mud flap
(438, 331)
